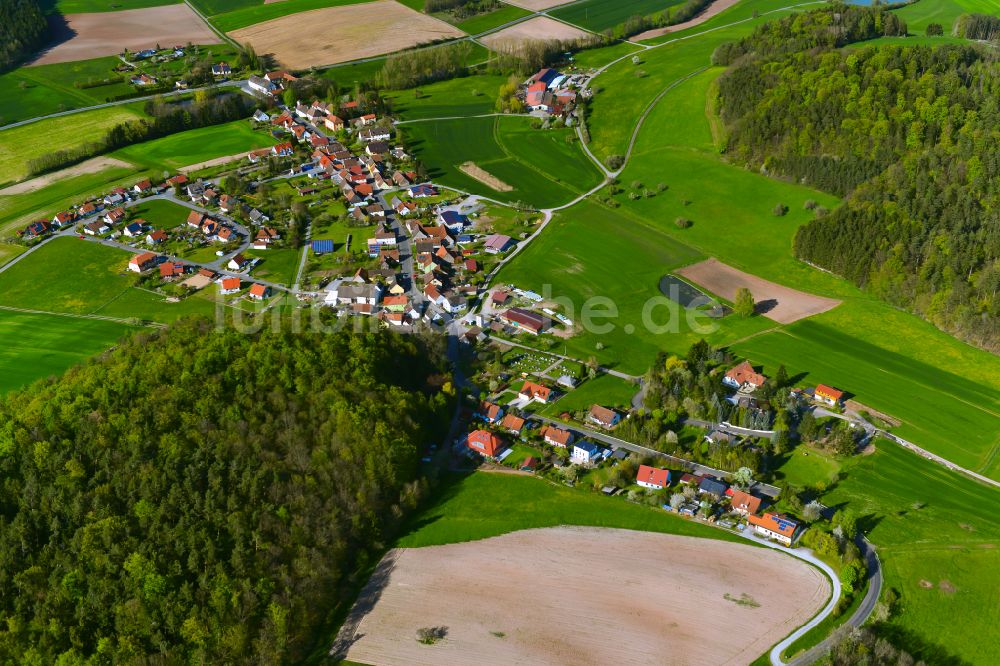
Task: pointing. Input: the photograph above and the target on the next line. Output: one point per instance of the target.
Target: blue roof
(135, 226)
(589, 447)
(322, 246)
(466, 238)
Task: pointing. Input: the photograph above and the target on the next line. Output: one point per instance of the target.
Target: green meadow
(160, 214)
(601, 56)
(606, 390)
(937, 535)
(9, 250)
(18, 145)
(483, 22)
(94, 6)
(193, 146)
(17, 210)
(258, 13)
(467, 96)
(599, 15)
(33, 346)
(918, 14)
(544, 167)
(466, 510)
(277, 265)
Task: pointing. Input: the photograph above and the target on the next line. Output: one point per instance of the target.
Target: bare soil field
(472, 170)
(92, 165)
(540, 28)
(713, 9)
(337, 34)
(213, 162)
(537, 5)
(781, 304)
(108, 33)
(585, 596)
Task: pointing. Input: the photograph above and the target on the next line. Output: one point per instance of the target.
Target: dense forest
(910, 135)
(23, 30)
(204, 496)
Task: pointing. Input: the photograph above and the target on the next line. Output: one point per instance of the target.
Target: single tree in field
(744, 304)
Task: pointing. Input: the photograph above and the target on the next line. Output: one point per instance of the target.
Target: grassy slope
(278, 265)
(541, 166)
(20, 144)
(87, 279)
(483, 505)
(603, 55)
(246, 16)
(919, 14)
(953, 537)
(93, 6)
(598, 15)
(17, 210)
(197, 145)
(33, 346)
(160, 214)
(454, 97)
(606, 390)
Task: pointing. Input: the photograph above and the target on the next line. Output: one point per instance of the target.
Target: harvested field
(92, 165)
(540, 28)
(107, 33)
(781, 304)
(522, 598)
(536, 5)
(214, 162)
(715, 8)
(483, 176)
(338, 34)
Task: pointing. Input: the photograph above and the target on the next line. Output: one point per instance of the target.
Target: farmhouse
(524, 320)
(774, 526)
(536, 392)
(828, 394)
(484, 443)
(652, 477)
(141, 262)
(604, 417)
(557, 436)
(744, 503)
(585, 452)
(744, 377)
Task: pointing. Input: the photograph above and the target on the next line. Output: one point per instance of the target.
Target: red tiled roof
(603, 415)
(230, 283)
(775, 523)
(742, 501)
(828, 392)
(534, 390)
(745, 374)
(484, 442)
(653, 476)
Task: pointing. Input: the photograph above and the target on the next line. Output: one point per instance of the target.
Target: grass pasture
(277, 265)
(19, 145)
(483, 22)
(194, 146)
(599, 15)
(606, 390)
(160, 214)
(468, 96)
(94, 6)
(33, 346)
(919, 14)
(540, 165)
(931, 525)
(466, 510)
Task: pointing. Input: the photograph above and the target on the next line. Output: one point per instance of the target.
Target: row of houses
(745, 379)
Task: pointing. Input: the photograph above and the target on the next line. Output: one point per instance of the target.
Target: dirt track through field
(107, 33)
(337, 34)
(540, 28)
(716, 7)
(92, 165)
(583, 596)
(536, 5)
(774, 301)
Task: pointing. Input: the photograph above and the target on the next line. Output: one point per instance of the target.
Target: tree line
(907, 134)
(23, 30)
(200, 495)
(164, 119)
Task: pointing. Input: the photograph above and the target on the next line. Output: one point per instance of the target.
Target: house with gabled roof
(485, 443)
(237, 263)
(744, 503)
(585, 452)
(604, 417)
(744, 377)
(230, 285)
(115, 215)
(774, 526)
(554, 436)
(512, 423)
(156, 237)
(711, 486)
(141, 262)
(96, 228)
(653, 478)
(490, 412)
(259, 292)
(530, 391)
(828, 394)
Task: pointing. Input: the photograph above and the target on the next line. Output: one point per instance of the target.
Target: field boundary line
(73, 315)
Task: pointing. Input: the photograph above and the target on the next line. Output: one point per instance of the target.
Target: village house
(712, 486)
(604, 417)
(141, 262)
(585, 453)
(142, 187)
(531, 391)
(156, 237)
(171, 269)
(774, 526)
(497, 243)
(484, 443)
(652, 477)
(554, 436)
(828, 395)
(63, 219)
(96, 228)
(744, 503)
(513, 424)
(230, 285)
(352, 293)
(114, 216)
(259, 292)
(221, 69)
(237, 263)
(743, 377)
(133, 229)
(490, 412)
